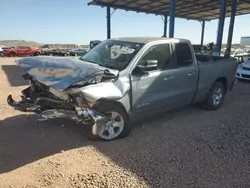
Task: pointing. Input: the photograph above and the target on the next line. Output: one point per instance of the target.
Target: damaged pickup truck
(123, 80)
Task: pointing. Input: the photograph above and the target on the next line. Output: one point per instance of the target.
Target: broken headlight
(91, 80)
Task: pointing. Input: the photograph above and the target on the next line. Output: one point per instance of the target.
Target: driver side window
(160, 53)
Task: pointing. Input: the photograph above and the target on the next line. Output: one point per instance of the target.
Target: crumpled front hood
(59, 72)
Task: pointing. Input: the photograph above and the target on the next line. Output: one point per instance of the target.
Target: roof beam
(195, 11)
(184, 8)
(179, 8)
(211, 15)
(208, 16)
(126, 8)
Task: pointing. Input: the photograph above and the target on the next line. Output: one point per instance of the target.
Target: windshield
(113, 54)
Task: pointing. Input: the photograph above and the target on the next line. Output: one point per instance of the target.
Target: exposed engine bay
(57, 89)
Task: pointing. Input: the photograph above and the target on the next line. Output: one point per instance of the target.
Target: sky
(73, 21)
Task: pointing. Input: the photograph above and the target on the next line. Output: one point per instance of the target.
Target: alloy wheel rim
(217, 96)
(113, 128)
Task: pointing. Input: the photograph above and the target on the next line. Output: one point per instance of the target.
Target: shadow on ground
(187, 147)
(23, 141)
(14, 75)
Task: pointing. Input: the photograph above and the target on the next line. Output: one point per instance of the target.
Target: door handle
(192, 73)
(168, 78)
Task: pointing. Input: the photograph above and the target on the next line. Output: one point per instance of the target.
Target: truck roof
(147, 39)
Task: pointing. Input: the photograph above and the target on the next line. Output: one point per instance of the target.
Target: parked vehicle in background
(200, 49)
(22, 51)
(59, 52)
(2, 48)
(239, 53)
(243, 70)
(1, 52)
(46, 51)
(78, 52)
(123, 80)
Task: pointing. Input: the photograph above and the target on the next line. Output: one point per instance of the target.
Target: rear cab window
(184, 57)
(23, 47)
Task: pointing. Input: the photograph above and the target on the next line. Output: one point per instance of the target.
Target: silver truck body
(79, 84)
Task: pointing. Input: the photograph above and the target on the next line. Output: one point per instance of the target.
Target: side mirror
(149, 64)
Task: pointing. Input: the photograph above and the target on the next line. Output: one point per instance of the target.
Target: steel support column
(231, 28)
(223, 4)
(108, 23)
(165, 26)
(171, 19)
(202, 33)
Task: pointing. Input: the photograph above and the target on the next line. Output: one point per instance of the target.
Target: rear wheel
(118, 126)
(36, 54)
(12, 54)
(215, 97)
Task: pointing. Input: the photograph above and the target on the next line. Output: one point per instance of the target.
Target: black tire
(12, 54)
(109, 107)
(209, 102)
(36, 54)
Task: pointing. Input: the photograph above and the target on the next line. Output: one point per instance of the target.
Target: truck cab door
(151, 88)
(186, 74)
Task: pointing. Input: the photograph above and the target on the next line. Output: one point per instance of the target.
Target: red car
(22, 51)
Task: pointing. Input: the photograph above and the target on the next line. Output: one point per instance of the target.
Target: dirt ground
(187, 147)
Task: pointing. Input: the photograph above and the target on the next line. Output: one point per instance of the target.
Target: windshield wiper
(100, 63)
(91, 61)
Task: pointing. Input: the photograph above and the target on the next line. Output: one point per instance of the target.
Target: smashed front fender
(104, 90)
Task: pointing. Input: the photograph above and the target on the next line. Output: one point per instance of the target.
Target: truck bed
(212, 68)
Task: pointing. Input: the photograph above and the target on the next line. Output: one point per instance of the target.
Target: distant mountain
(15, 43)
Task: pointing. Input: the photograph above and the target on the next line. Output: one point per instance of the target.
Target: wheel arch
(12, 52)
(222, 80)
(103, 102)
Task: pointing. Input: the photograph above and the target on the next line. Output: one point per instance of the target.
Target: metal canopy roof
(189, 9)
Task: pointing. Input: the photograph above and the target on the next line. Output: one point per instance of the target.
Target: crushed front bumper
(24, 105)
(79, 114)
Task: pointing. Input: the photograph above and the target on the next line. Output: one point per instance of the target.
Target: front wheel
(215, 97)
(118, 126)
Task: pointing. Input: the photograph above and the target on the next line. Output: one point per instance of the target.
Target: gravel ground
(187, 147)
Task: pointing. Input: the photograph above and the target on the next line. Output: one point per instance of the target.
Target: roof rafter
(189, 9)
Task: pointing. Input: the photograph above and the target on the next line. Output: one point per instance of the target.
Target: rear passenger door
(21, 50)
(186, 74)
(28, 51)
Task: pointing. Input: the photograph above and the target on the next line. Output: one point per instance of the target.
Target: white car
(1, 51)
(243, 70)
(239, 52)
